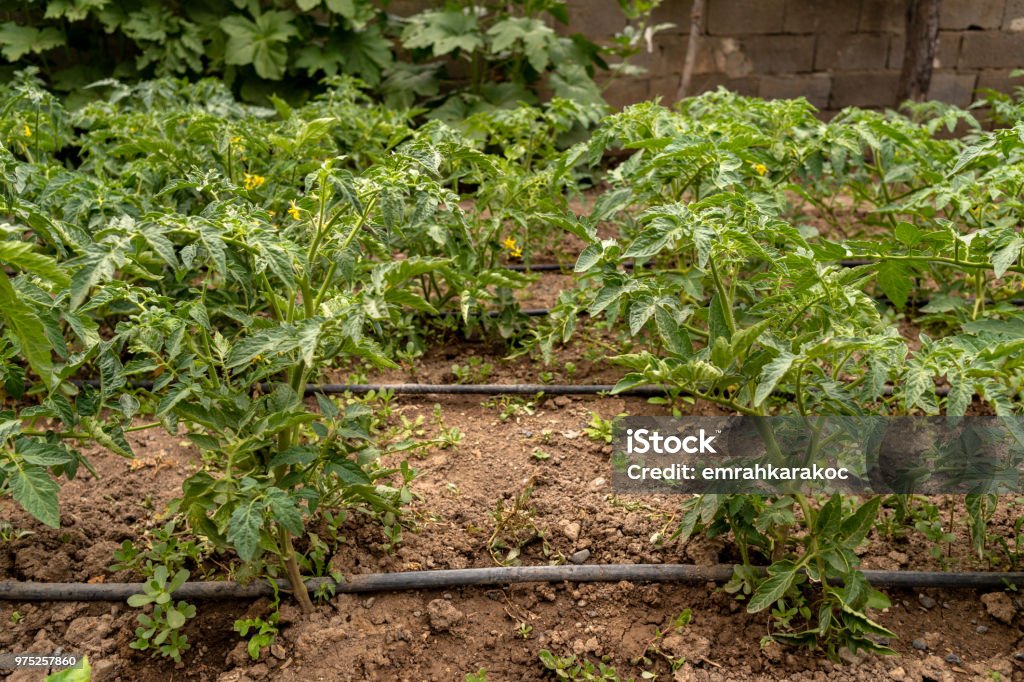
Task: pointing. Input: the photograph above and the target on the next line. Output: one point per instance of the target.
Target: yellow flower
(760, 168)
(293, 210)
(254, 181)
(236, 139)
(514, 249)
(27, 131)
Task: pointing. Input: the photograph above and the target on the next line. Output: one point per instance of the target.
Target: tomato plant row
(169, 233)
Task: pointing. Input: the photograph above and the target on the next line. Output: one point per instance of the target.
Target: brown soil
(444, 635)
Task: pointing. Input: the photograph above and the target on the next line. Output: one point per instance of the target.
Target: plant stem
(291, 567)
(723, 298)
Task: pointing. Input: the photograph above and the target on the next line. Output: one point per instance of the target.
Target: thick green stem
(291, 567)
(723, 295)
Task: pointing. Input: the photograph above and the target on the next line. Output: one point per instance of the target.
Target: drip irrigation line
(911, 303)
(474, 389)
(561, 267)
(448, 389)
(558, 267)
(466, 577)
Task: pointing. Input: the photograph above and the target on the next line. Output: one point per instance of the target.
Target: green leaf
(98, 264)
(175, 619)
(442, 31)
(244, 529)
(774, 587)
(589, 258)
(284, 510)
(18, 41)
(655, 236)
(28, 328)
(856, 526)
(918, 387)
(139, 600)
(365, 54)
(178, 580)
(43, 454)
(1005, 257)
(270, 341)
(297, 454)
(770, 376)
(630, 380)
(260, 42)
(896, 281)
(535, 37)
(640, 311)
(908, 233)
(23, 256)
(672, 334)
(33, 489)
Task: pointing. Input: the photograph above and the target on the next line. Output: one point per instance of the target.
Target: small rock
(926, 601)
(103, 669)
(563, 401)
(919, 644)
(572, 531)
(898, 674)
(369, 602)
(443, 615)
(580, 556)
(87, 629)
(981, 629)
(688, 645)
(999, 606)
(527, 433)
(278, 652)
(597, 483)
(954, 659)
(772, 651)
(238, 656)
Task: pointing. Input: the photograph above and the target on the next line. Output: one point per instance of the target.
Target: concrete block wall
(836, 53)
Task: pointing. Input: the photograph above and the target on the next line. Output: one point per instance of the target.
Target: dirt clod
(999, 606)
(443, 615)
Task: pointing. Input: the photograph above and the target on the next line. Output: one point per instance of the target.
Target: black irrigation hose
(447, 389)
(441, 579)
(568, 268)
(474, 389)
(544, 312)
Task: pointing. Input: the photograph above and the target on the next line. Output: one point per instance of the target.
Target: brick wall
(836, 53)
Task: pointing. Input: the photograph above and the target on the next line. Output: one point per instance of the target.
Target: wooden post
(922, 36)
(696, 21)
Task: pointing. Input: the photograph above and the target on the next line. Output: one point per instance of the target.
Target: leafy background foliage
(487, 53)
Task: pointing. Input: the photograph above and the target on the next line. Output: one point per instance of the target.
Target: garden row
(225, 256)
